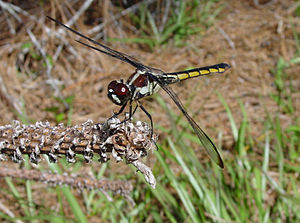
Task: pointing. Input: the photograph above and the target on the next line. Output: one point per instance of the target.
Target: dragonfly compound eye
(118, 92)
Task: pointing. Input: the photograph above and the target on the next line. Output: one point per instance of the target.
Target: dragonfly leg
(120, 111)
(149, 116)
(131, 113)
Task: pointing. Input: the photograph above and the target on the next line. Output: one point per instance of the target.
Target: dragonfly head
(118, 92)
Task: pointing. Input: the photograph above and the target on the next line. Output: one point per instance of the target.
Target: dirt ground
(250, 37)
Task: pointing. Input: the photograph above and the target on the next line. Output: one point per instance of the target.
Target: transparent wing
(108, 51)
(204, 139)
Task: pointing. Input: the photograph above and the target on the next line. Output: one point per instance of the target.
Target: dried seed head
(123, 140)
(120, 140)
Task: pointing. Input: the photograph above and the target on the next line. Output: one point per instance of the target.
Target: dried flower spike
(122, 141)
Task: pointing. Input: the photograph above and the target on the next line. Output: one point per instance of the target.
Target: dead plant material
(122, 140)
(117, 187)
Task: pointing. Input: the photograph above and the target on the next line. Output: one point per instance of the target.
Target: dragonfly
(146, 81)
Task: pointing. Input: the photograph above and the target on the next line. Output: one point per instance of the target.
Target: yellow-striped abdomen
(188, 74)
(182, 75)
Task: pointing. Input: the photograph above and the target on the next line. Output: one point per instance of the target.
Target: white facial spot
(123, 89)
(110, 90)
(115, 98)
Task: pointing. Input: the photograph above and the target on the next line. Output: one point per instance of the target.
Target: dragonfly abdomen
(201, 71)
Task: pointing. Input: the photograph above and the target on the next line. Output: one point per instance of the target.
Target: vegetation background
(251, 111)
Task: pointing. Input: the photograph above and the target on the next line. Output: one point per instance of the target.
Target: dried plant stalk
(125, 140)
(117, 186)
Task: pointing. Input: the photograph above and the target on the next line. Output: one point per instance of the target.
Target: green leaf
(53, 109)
(297, 11)
(293, 128)
(60, 117)
(27, 45)
(69, 100)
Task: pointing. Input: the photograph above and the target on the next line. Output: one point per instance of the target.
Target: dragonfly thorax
(118, 92)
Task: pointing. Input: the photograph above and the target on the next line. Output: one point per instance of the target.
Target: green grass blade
(265, 164)
(180, 189)
(74, 205)
(153, 26)
(194, 182)
(17, 195)
(279, 150)
(230, 116)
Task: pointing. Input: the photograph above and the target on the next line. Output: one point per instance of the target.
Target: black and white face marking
(118, 92)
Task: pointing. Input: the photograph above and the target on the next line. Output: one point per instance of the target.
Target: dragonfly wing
(108, 51)
(206, 142)
(203, 137)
